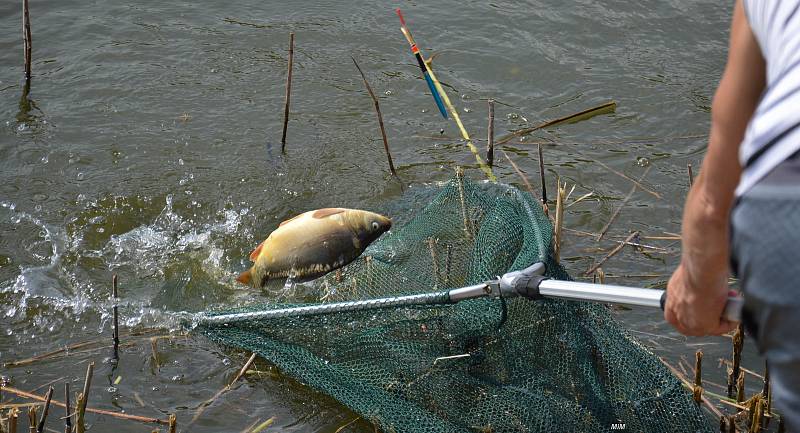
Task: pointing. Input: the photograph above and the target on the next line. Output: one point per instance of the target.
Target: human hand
(696, 312)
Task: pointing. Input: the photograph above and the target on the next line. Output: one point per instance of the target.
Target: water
(149, 146)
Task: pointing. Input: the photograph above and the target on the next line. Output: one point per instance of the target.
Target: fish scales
(314, 243)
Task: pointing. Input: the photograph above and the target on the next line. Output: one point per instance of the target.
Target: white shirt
(773, 133)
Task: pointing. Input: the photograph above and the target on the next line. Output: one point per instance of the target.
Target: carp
(312, 244)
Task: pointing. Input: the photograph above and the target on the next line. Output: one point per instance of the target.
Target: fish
(312, 244)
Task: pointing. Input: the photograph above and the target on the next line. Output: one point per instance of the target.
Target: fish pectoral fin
(256, 252)
(322, 213)
(245, 277)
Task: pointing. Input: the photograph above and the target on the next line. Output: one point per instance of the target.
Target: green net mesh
(484, 365)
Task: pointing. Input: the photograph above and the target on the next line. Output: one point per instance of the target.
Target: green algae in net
(482, 365)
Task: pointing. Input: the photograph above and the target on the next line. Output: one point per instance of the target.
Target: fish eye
(375, 225)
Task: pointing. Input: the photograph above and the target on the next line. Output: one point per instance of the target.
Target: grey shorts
(765, 255)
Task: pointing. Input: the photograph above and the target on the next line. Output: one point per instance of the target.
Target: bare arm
(698, 288)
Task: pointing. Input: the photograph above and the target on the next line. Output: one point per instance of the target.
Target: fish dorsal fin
(323, 213)
(256, 252)
(290, 220)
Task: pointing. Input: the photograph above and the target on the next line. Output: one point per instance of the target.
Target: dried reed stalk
(380, 117)
(490, 138)
(697, 391)
(288, 92)
(611, 254)
(541, 178)
(118, 415)
(622, 205)
(520, 174)
(115, 299)
(608, 107)
(26, 38)
(559, 222)
(47, 399)
(225, 389)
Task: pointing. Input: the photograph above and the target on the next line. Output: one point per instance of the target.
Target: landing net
(482, 365)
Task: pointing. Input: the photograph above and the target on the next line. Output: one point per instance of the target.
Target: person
(743, 211)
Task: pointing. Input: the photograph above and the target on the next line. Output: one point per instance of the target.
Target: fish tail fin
(245, 277)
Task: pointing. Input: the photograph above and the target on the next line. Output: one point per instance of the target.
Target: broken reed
(520, 174)
(380, 117)
(12, 420)
(26, 38)
(734, 372)
(490, 138)
(48, 398)
(225, 389)
(115, 299)
(288, 92)
(541, 178)
(464, 212)
(118, 415)
(32, 419)
(83, 399)
(697, 392)
(68, 413)
(622, 205)
(559, 221)
(608, 107)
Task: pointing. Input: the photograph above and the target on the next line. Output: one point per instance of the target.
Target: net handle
(529, 283)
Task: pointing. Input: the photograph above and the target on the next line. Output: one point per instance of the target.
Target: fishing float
(422, 65)
(441, 96)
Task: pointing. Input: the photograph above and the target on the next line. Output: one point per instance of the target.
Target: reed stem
(288, 91)
(434, 260)
(380, 117)
(48, 397)
(632, 180)
(608, 107)
(67, 412)
(12, 420)
(541, 178)
(733, 374)
(26, 38)
(740, 396)
(490, 139)
(460, 182)
(227, 387)
(520, 174)
(118, 415)
(697, 392)
(32, 419)
(87, 384)
(611, 254)
(559, 222)
(115, 299)
(622, 205)
(80, 425)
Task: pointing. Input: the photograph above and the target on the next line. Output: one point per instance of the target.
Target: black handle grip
(528, 286)
(663, 301)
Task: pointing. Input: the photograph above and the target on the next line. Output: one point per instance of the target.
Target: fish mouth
(386, 222)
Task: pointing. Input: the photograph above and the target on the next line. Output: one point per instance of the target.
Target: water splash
(167, 263)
